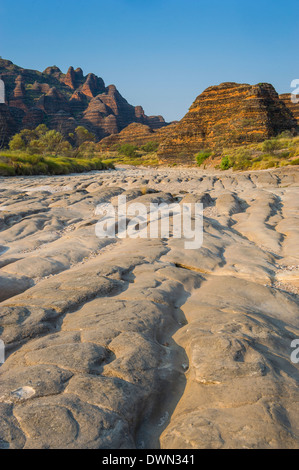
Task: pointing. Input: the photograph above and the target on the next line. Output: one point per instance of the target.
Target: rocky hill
(137, 134)
(64, 101)
(227, 115)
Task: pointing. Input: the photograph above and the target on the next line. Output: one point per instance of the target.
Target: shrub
(109, 164)
(271, 145)
(202, 156)
(270, 163)
(128, 150)
(286, 135)
(284, 154)
(225, 163)
(150, 147)
(242, 160)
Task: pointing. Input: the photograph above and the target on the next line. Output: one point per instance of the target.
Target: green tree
(17, 143)
(83, 135)
(41, 130)
(40, 141)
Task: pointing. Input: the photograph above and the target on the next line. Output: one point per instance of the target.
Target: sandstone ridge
(64, 101)
(229, 114)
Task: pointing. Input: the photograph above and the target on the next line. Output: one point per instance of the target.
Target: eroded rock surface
(123, 343)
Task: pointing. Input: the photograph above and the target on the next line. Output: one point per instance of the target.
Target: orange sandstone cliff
(229, 114)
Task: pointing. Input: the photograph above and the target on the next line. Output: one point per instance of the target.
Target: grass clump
(271, 145)
(272, 153)
(6, 169)
(14, 164)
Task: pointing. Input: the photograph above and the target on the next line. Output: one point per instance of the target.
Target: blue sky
(160, 54)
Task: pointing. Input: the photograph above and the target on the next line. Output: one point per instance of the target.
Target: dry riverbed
(123, 344)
